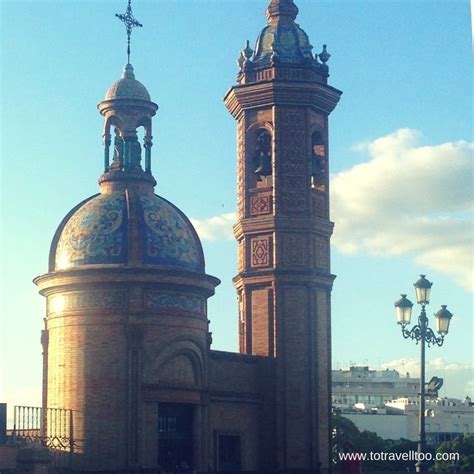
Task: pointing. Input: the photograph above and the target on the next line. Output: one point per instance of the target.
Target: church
(126, 344)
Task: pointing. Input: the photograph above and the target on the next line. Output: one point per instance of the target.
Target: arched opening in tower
(318, 162)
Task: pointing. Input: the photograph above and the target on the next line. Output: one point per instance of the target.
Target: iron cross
(130, 22)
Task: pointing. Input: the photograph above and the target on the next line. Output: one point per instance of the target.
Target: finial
(245, 55)
(248, 51)
(324, 55)
(281, 11)
(130, 22)
(128, 72)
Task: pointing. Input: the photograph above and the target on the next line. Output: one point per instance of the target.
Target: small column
(107, 141)
(147, 145)
(126, 153)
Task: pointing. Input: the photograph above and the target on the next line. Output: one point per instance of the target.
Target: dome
(126, 229)
(127, 87)
(286, 42)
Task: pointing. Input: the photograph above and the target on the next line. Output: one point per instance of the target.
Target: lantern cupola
(127, 107)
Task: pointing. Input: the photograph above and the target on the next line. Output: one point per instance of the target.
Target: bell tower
(281, 103)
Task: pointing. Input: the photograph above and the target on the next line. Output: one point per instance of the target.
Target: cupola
(126, 108)
(283, 45)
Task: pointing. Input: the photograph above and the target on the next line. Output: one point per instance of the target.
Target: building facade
(446, 418)
(373, 388)
(126, 343)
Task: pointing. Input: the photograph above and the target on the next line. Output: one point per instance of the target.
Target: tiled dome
(126, 229)
(287, 43)
(127, 87)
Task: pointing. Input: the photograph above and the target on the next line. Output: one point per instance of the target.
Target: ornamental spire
(130, 22)
(281, 11)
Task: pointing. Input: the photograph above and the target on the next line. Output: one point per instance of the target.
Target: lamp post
(424, 334)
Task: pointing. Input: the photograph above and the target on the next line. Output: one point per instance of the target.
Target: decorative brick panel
(294, 250)
(321, 253)
(260, 205)
(260, 251)
(292, 157)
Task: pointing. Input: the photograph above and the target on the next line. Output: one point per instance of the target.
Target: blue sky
(400, 159)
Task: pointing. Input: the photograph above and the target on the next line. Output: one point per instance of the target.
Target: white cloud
(215, 228)
(408, 199)
(458, 377)
(437, 363)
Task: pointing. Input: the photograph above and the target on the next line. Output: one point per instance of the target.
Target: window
(174, 435)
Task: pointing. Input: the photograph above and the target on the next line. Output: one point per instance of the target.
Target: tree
(346, 434)
(464, 446)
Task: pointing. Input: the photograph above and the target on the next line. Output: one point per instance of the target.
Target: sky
(400, 158)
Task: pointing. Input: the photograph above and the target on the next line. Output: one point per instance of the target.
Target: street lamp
(421, 332)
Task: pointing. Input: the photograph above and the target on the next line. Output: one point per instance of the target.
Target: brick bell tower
(281, 103)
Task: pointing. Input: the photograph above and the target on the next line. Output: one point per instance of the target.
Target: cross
(130, 22)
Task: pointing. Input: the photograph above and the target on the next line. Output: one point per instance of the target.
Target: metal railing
(51, 427)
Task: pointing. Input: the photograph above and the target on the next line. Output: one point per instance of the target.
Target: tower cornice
(271, 223)
(126, 104)
(321, 97)
(287, 276)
